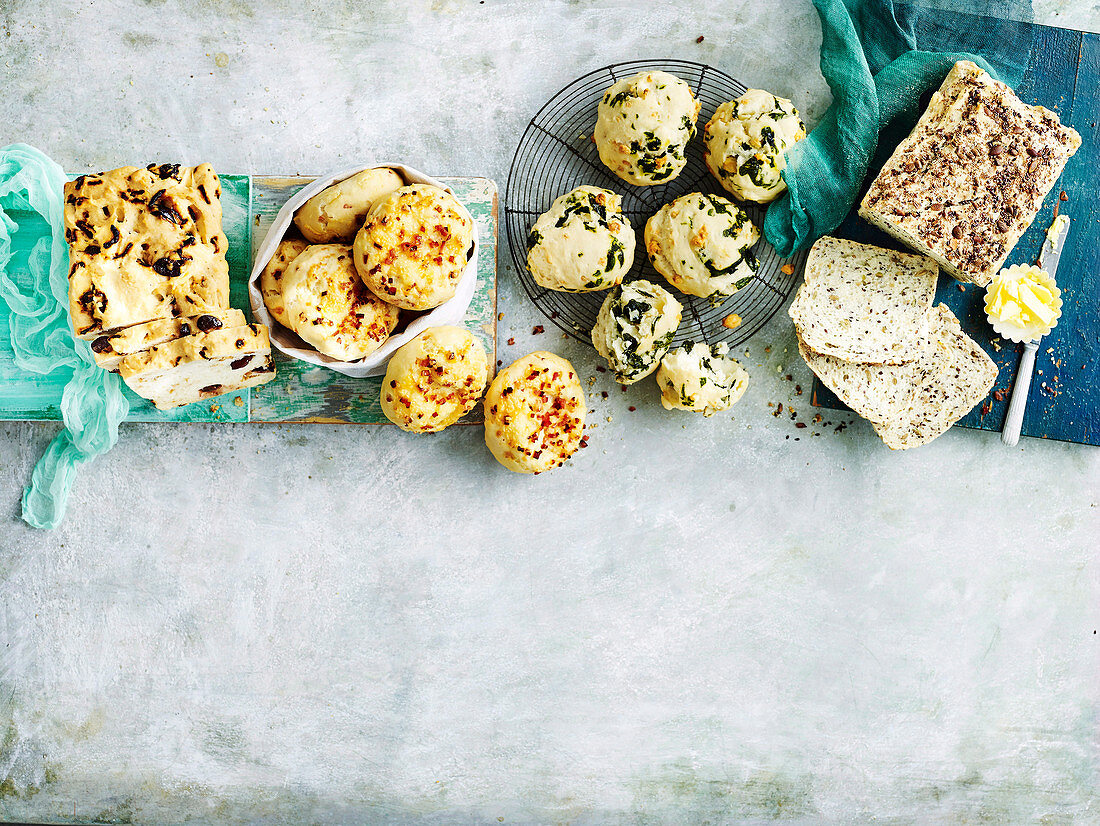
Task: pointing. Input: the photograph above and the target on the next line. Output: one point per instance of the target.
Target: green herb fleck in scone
(582, 243)
(703, 245)
(644, 125)
(745, 143)
(635, 328)
(701, 379)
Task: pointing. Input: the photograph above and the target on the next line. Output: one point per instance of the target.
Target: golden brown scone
(414, 247)
(144, 244)
(271, 279)
(434, 380)
(534, 413)
(328, 306)
(335, 214)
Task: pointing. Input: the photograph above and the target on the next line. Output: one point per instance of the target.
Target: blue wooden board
(1064, 403)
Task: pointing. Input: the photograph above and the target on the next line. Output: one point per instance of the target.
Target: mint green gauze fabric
(34, 283)
(879, 57)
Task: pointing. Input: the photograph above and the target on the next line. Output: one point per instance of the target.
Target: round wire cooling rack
(555, 155)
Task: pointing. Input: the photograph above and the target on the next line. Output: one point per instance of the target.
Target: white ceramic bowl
(287, 341)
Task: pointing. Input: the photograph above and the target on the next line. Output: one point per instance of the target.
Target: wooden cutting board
(300, 392)
(1064, 402)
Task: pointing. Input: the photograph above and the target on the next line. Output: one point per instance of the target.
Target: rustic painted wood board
(300, 392)
(1064, 402)
(303, 392)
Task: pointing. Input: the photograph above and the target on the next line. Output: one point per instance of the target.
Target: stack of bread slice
(149, 284)
(867, 327)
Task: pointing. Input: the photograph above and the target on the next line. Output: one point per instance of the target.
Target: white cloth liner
(286, 341)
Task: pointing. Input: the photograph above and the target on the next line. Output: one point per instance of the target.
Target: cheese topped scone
(702, 244)
(745, 143)
(144, 244)
(635, 328)
(335, 214)
(414, 247)
(111, 349)
(200, 366)
(701, 379)
(643, 126)
(534, 413)
(971, 176)
(271, 279)
(434, 380)
(328, 306)
(582, 243)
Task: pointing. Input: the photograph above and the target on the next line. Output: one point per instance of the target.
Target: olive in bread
(434, 380)
(414, 247)
(534, 413)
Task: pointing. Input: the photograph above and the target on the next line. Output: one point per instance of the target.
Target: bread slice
(971, 176)
(884, 393)
(110, 350)
(944, 399)
(863, 303)
(200, 366)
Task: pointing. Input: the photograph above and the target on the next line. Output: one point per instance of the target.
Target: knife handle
(1014, 421)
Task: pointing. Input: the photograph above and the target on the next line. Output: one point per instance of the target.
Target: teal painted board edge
(1064, 75)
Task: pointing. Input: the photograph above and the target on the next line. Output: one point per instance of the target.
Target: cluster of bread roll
(700, 243)
(361, 252)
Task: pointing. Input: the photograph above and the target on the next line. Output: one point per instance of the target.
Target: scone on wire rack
(434, 380)
(644, 124)
(328, 306)
(534, 413)
(582, 243)
(414, 247)
(635, 328)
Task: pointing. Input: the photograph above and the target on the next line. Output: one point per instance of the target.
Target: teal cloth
(879, 58)
(36, 289)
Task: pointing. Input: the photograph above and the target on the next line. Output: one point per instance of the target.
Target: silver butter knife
(1014, 421)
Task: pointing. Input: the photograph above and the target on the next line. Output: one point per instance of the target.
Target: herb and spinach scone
(702, 245)
(644, 125)
(744, 144)
(534, 413)
(434, 380)
(635, 328)
(701, 379)
(582, 243)
(328, 306)
(414, 247)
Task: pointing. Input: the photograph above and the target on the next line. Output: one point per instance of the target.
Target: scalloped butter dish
(1023, 303)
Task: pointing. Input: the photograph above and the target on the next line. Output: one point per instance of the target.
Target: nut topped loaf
(144, 244)
(967, 182)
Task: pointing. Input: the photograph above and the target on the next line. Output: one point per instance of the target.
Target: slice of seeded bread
(941, 401)
(884, 393)
(200, 366)
(863, 303)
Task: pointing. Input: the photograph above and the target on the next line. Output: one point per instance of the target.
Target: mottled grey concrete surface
(698, 620)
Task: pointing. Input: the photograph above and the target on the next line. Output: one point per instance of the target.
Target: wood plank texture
(1064, 402)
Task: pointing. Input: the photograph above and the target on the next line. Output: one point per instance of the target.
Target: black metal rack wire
(556, 154)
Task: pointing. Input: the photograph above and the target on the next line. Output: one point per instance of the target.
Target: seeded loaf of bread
(110, 350)
(971, 176)
(863, 303)
(144, 244)
(201, 366)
